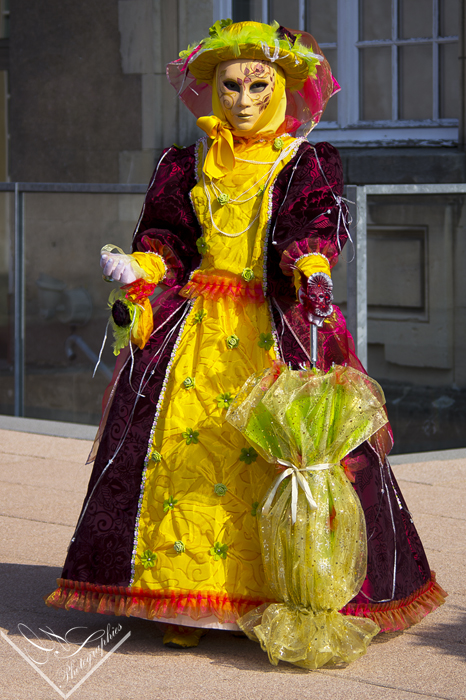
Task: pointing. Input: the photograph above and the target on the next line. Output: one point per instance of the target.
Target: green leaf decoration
(169, 504)
(220, 489)
(189, 383)
(148, 559)
(248, 455)
(219, 551)
(223, 199)
(265, 341)
(247, 274)
(232, 342)
(199, 317)
(179, 547)
(201, 245)
(224, 400)
(191, 436)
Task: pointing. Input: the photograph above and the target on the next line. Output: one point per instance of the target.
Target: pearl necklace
(284, 153)
(255, 162)
(237, 200)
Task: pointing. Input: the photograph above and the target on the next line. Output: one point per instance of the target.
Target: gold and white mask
(245, 89)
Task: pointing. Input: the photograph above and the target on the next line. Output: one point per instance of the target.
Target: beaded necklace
(225, 200)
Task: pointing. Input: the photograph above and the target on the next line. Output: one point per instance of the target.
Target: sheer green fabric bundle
(311, 523)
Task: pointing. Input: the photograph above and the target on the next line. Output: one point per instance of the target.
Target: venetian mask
(245, 88)
(316, 296)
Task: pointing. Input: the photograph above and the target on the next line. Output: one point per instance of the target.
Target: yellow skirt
(197, 546)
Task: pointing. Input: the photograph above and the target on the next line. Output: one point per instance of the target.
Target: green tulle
(318, 563)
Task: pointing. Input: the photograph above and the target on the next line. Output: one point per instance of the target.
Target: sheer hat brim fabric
(306, 100)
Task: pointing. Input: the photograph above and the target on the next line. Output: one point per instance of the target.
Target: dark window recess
(241, 10)
(4, 54)
(396, 270)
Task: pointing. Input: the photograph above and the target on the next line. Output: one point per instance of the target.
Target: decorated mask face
(245, 89)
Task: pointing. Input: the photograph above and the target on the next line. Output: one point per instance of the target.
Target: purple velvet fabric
(101, 551)
(305, 218)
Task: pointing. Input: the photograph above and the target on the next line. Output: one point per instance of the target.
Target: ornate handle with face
(316, 296)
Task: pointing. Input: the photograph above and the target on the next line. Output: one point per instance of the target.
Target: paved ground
(43, 481)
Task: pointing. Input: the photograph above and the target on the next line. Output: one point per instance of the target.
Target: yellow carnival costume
(169, 528)
(206, 478)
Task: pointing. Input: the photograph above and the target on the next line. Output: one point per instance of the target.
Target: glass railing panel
(6, 304)
(66, 308)
(416, 316)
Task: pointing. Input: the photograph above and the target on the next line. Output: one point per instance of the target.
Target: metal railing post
(19, 304)
(357, 271)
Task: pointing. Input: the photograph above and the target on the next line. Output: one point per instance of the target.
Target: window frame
(222, 9)
(349, 130)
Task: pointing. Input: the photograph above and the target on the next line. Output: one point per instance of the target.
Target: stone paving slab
(440, 536)
(43, 481)
(45, 472)
(437, 501)
(36, 500)
(210, 674)
(451, 571)
(34, 543)
(447, 473)
(36, 446)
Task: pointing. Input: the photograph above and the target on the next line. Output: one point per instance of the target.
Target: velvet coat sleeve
(168, 225)
(310, 215)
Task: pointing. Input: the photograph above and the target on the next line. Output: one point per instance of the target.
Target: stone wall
(72, 108)
(153, 32)
(89, 102)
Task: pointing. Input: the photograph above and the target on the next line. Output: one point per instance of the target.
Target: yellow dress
(196, 543)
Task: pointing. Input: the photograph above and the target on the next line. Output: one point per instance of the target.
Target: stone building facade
(84, 98)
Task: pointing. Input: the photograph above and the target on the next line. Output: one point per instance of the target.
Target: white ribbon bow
(296, 478)
(268, 53)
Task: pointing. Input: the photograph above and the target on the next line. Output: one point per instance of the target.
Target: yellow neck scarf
(220, 159)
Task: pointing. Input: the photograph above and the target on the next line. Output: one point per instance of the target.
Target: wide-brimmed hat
(256, 41)
(309, 80)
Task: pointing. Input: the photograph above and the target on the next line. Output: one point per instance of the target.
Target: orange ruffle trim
(217, 286)
(150, 605)
(401, 614)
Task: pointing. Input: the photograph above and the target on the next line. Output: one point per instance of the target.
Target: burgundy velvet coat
(306, 217)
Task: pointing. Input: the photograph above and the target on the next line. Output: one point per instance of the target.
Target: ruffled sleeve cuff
(309, 264)
(308, 256)
(152, 264)
(154, 243)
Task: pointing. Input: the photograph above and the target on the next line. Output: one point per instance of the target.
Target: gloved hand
(117, 268)
(316, 296)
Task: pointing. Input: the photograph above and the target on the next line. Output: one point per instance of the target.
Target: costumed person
(233, 227)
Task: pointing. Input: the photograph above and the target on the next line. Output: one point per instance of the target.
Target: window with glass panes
(408, 60)
(406, 54)
(241, 10)
(396, 60)
(321, 20)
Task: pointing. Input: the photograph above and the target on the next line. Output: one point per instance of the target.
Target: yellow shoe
(177, 637)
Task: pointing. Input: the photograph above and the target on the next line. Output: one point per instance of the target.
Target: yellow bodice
(243, 219)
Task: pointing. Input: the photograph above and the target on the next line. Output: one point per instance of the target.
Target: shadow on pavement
(22, 591)
(446, 637)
